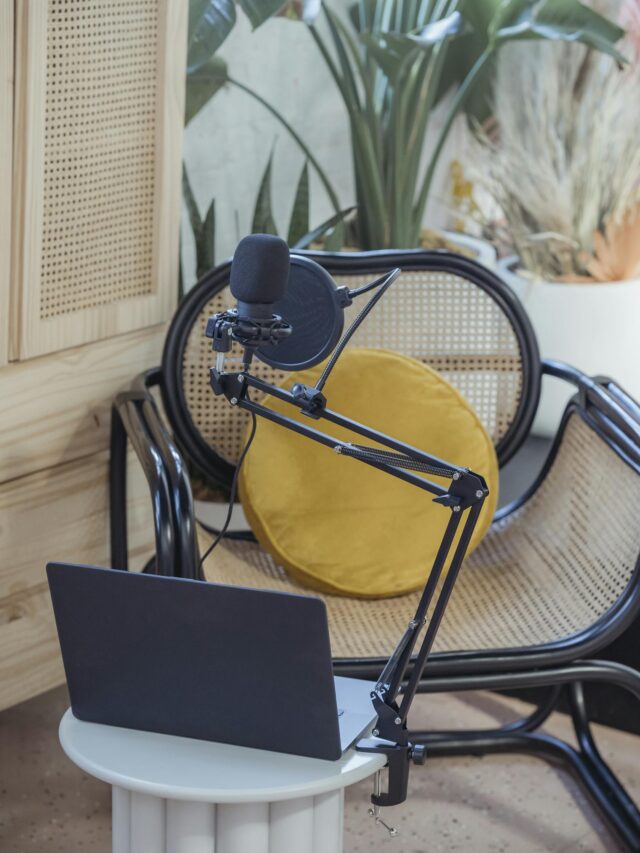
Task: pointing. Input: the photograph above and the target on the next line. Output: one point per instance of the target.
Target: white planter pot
(483, 251)
(594, 327)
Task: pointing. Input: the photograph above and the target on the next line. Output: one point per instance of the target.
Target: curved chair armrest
(135, 418)
(613, 411)
(604, 396)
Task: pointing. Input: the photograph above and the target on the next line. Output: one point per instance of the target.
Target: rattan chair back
(444, 310)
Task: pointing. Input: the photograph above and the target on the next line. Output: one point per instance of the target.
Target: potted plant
(210, 22)
(565, 173)
(391, 61)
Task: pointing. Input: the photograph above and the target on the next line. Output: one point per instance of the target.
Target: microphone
(290, 311)
(258, 279)
(259, 274)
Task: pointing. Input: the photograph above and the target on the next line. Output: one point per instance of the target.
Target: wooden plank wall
(53, 492)
(59, 370)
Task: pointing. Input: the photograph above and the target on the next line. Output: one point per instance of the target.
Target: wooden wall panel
(6, 131)
(58, 407)
(58, 514)
(99, 102)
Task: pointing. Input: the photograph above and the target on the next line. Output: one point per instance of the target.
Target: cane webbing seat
(456, 322)
(537, 577)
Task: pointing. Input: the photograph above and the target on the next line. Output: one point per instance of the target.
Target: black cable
(358, 291)
(232, 535)
(247, 536)
(383, 284)
(232, 493)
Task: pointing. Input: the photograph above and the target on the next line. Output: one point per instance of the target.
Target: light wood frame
(6, 152)
(31, 335)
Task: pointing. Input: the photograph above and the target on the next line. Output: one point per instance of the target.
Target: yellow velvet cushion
(343, 527)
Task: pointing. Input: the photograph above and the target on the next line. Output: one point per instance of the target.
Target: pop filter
(314, 306)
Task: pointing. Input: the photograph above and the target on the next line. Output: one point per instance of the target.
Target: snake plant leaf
(202, 85)
(321, 230)
(190, 202)
(205, 242)
(210, 22)
(258, 11)
(334, 241)
(561, 20)
(299, 222)
(263, 221)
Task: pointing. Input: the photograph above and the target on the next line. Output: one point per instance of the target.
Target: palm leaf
(433, 33)
(202, 85)
(258, 11)
(555, 20)
(210, 22)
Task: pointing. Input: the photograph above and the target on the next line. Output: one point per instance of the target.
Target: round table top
(186, 769)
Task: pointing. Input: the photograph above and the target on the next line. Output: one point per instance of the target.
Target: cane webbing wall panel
(544, 573)
(6, 131)
(440, 319)
(99, 111)
(99, 187)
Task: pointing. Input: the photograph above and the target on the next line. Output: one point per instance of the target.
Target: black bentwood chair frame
(556, 579)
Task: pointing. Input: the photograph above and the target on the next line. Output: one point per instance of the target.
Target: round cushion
(338, 525)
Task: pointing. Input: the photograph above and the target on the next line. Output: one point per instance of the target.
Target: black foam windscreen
(260, 269)
(314, 307)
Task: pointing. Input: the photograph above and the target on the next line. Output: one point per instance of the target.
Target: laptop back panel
(199, 660)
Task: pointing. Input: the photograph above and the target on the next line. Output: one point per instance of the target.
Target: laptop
(202, 660)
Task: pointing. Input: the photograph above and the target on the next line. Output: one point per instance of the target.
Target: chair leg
(118, 492)
(551, 749)
(588, 749)
(527, 724)
(585, 763)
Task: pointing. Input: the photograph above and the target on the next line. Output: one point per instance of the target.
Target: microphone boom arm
(465, 495)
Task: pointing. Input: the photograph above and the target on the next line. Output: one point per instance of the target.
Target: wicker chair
(554, 581)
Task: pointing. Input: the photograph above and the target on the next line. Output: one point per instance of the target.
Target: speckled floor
(498, 803)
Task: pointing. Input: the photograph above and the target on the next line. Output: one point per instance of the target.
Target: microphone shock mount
(249, 332)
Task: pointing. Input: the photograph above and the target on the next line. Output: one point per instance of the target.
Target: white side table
(177, 795)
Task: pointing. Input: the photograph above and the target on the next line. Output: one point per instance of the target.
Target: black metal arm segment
(464, 496)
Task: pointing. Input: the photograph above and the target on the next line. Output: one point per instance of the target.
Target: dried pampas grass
(565, 163)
